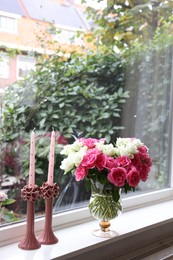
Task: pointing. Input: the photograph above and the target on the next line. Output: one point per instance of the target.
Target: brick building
(25, 26)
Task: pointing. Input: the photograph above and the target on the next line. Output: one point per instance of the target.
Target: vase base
(103, 234)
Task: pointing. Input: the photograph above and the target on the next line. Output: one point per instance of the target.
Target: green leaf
(8, 202)
(116, 195)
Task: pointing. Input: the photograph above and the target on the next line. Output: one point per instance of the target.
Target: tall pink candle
(32, 161)
(51, 159)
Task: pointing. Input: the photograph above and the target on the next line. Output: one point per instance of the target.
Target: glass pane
(117, 83)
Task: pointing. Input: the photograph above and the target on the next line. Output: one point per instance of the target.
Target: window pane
(24, 65)
(115, 83)
(4, 66)
(147, 114)
(7, 23)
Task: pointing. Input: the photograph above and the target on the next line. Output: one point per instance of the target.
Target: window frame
(4, 62)
(10, 16)
(26, 62)
(58, 37)
(14, 232)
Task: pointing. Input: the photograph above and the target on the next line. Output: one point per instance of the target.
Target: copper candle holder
(48, 192)
(30, 195)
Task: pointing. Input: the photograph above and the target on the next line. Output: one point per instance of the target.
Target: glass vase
(103, 207)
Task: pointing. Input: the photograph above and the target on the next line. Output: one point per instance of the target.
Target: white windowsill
(76, 240)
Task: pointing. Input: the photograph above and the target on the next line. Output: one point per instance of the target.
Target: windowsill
(136, 228)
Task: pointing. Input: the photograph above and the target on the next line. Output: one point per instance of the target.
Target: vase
(103, 207)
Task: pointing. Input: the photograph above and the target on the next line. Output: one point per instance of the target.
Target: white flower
(78, 156)
(77, 145)
(71, 148)
(3, 196)
(107, 149)
(75, 153)
(127, 146)
(137, 142)
(67, 164)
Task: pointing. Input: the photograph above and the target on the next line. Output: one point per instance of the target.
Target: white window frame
(10, 16)
(27, 61)
(14, 232)
(4, 66)
(71, 30)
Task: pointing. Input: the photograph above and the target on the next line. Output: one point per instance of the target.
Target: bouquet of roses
(119, 166)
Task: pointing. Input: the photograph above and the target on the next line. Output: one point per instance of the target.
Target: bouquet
(120, 166)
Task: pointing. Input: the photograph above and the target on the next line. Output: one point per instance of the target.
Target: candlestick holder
(48, 192)
(30, 195)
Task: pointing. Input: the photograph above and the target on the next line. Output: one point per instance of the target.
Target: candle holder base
(47, 238)
(29, 243)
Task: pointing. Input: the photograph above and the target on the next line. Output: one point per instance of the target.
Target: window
(94, 92)
(24, 65)
(4, 66)
(67, 36)
(8, 24)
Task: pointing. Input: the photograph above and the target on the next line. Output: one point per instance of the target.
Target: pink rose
(101, 161)
(89, 142)
(144, 172)
(110, 163)
(143, 149)
(136, 161)
(117, 176)
(80, 173)
(89, 159)
(133, 177)
(144, 156)
(123, 161)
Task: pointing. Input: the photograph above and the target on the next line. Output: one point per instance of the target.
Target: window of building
(24, 65)
(8, 24)
(67, 36)
(4, 66)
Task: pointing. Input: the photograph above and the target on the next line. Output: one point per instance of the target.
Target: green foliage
(5, 214)
(123, 22)
(82, 94)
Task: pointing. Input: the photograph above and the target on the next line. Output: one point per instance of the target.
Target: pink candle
(51, 159)
(32, 161)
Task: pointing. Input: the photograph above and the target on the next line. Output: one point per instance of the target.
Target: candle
(51, 159)
(32, 161)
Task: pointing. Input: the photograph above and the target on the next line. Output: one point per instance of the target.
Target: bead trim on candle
(49, 191)
(31, 194)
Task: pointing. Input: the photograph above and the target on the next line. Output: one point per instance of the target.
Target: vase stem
(105, 226)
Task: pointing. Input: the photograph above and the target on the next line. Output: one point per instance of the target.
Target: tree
(123, 22)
